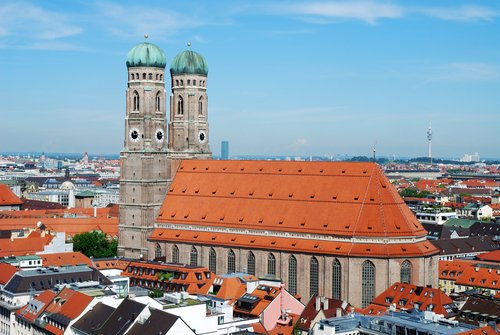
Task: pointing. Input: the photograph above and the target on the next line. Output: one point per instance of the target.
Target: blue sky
(285, 77)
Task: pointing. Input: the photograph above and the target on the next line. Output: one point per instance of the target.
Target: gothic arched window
(193, 257)
(136, 101)
(212, 261)
(292, 275)
(367, 283)
(231, 262)
(158, 102)
(180, 106)
(313, 277)
(158, 251)
(200, 106)
(175, 254)
(271, 265)
(251, 263)
(150, 76)
(406, 272)
(133, 76)
(176, 82)
(336, 279)
(157, 76)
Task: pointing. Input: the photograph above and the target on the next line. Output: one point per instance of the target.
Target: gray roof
(93, 321)
(122, 318)
(47, 278)
(465, 245)
(159, 322)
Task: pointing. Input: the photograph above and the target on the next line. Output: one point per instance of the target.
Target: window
(136, 101)
(194, 82)
(406, 272)
(313, 277)
(158, 102)
(180, 106)
(251, 263)
(189, 82)
(157, 76)
(231, 262)
(158, 252)
(367, 283)
(143, 76)
(193, 257)
(212, 261)
(176, 82)
(336, 279)
(200, 106)
(133, 76)
(175, 254)
(271, 265)
(292, 275)
(150, 76)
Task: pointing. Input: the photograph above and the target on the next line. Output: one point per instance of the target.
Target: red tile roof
(492, 256)
(407, 296)
(65, 258)
(480, 277)
(7, 197)
(110, 263)
(29, 245)
(69, 225)
(231, 288)
(6, 272)
(29, 314)
(294, 244)
(339, 199)
(192, 279)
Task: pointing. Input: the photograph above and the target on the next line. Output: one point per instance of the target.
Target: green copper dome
(189, 62)
(146, 55)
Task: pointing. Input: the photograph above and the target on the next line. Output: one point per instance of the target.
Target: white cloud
(464, 71)
(22, 20)
(367, 11)
(373, 11)
(159, 23)
(463, 13)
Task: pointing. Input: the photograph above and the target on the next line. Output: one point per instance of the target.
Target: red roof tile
(407, 296)
(65, 258)
(6, 272)
(7, 197)
(339, 199)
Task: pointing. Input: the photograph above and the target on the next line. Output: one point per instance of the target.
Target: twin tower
(152, 152)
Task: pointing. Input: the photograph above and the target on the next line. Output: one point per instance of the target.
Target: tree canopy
(95, 244)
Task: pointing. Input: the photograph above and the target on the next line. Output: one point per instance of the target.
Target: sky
(285, 77)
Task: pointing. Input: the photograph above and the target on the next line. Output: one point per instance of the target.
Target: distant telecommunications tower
(429, 138)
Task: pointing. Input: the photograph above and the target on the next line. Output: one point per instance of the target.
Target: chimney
(325, 303)
(318, 303)
(338, 312)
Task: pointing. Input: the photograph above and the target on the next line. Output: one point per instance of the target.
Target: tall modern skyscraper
(224, 150)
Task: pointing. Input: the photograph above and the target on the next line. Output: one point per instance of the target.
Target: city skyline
(284, 78)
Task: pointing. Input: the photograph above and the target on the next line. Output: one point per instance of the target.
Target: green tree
(95, 244)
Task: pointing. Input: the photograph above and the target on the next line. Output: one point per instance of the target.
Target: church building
(336, 229)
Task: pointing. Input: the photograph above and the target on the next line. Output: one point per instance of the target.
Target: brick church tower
(150, 156)
(144, 163)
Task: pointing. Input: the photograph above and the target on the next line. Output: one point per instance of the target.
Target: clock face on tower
(202, 136)
(159, 135)
(134, 134)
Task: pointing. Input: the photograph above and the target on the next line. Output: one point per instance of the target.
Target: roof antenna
(374, 153)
